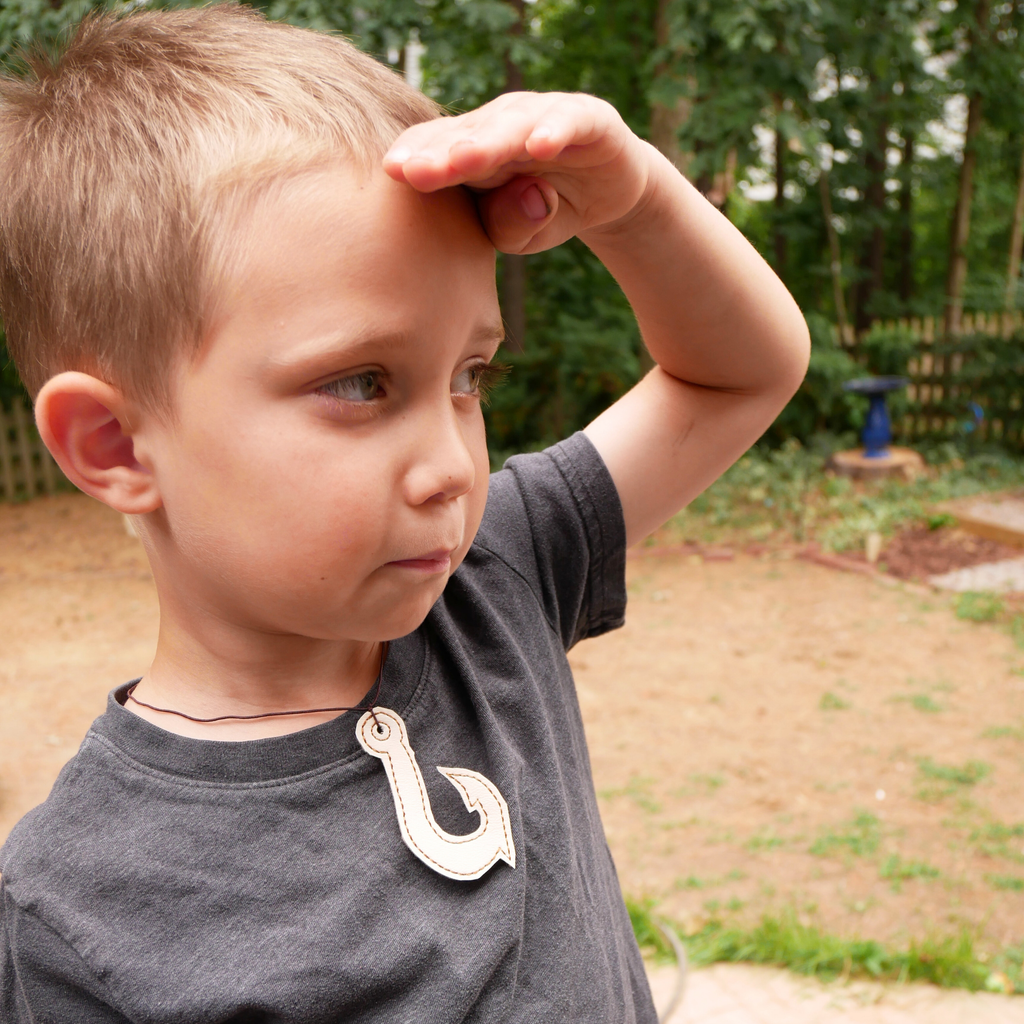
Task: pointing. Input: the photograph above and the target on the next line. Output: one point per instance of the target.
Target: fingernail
(399, 155)
(543, 132)
(532, 202)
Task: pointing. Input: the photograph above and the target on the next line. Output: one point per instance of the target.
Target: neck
(225, 669)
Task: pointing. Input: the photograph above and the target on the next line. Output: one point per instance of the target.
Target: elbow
(794, 346)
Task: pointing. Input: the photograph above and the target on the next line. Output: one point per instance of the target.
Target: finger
(514, 214)
(473, 146)
(564, 125)
(469, 152)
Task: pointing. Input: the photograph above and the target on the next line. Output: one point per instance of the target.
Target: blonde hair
(119, 159)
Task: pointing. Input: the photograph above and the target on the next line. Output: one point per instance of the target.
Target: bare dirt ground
(765, 732)
(78, 616)
(769, 733)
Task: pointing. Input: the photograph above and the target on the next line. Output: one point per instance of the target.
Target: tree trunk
(906, 281)
(834, 251)
(780, 204)
(668, 118)
(961, 227)
(873, 261)
(513, 274)
(1016, 239)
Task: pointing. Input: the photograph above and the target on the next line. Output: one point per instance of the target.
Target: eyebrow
(338, 348)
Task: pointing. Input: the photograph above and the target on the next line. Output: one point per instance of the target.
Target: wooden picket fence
(942, 386)
(26, 467)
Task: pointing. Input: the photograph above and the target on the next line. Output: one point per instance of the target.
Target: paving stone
(748, 994)
(1001, 577)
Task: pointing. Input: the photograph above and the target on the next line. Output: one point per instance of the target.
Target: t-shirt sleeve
(42, 979)
(555, 518)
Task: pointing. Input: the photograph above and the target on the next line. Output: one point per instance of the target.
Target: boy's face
(327, 468)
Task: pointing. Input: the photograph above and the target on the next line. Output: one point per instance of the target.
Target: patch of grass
(763, 842)
(699, 781)
(978, 606)
(1003, 732)
(791, 941)
(896, 871)
(1017, 630)
(637, 789)
(712, 782)
(785, 941)
(937, 520)
(696, 882)
(1008, 883)
(919, 702)
(967, 774)
(943, 780)
(860, 837)
(691, 882)
(997, 839)
(830, 702)
(649, 937)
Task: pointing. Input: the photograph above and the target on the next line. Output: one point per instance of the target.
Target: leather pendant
(459, 857)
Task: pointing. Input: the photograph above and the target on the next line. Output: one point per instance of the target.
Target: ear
(87, 425)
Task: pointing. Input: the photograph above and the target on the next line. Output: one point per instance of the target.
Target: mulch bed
(917, 553)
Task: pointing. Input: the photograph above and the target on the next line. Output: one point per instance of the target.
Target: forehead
(342, 251)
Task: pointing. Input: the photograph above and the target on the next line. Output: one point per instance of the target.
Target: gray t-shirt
(186, 881)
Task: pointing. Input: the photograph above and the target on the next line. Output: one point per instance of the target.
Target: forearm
(711, 311)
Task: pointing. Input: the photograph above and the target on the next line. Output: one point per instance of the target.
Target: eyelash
(490, 376)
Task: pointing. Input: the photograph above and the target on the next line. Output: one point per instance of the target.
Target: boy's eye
(478, 379)
(360, 387)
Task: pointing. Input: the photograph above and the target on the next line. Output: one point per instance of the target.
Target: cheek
(269, 507)
(476, 499)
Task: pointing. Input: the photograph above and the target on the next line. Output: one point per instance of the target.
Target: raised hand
(547, 166)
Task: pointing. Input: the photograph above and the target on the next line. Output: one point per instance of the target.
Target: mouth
(431, 563)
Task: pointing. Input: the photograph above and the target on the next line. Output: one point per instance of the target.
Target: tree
(876, 98)
(990, 60)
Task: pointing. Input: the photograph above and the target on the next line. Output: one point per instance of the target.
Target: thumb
(514, 214)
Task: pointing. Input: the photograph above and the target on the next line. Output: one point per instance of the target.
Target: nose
(441, 467)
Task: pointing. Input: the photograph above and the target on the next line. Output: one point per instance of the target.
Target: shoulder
(552, 533)
(542, 493)
(62, 837)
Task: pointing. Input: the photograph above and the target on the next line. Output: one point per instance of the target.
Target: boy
(255, 304)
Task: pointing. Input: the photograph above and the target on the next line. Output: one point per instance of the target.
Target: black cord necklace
(272, 714)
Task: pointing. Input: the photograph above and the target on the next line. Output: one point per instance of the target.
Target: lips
(432, 562)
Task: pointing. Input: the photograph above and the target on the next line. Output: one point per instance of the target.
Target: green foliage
(638, 790)
(1008, 883)
(1003, 732)
(968, 774)
(846, 86)
(978, 607)
(997, 839)
(830, 702)
(860, 837)
(923, 702)
(10, 384)
(787, 490)
(896, 870)
(786, 941)
(649, 937)
(583, 354)
(820, 405)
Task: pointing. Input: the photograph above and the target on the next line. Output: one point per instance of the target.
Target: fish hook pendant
(382, 733)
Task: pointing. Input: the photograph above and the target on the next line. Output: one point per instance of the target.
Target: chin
(398, 618)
